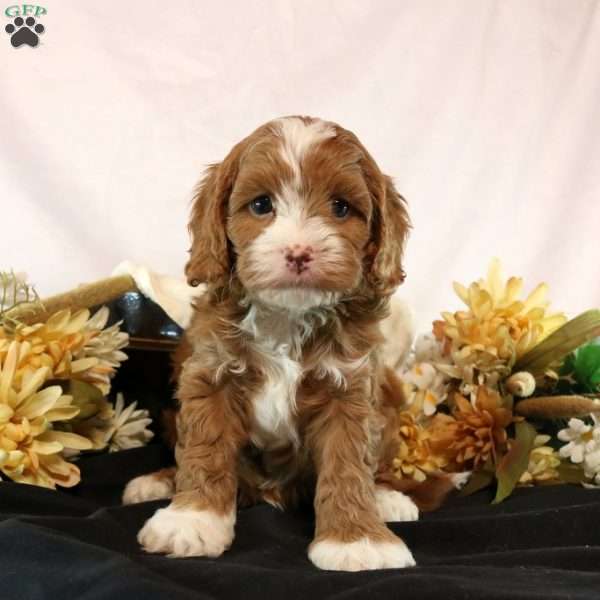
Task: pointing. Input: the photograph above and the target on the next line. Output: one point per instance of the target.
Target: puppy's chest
(274, 406)
(278, 349)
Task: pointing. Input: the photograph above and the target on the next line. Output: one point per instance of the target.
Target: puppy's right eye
(261, 206)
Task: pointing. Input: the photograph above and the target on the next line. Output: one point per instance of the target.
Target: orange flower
(476, 431)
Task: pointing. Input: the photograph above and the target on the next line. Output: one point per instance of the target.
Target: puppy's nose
(297, 258)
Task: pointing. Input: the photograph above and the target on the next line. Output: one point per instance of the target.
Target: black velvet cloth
(80, 544)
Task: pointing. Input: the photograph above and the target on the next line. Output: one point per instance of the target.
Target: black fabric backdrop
(540, 543)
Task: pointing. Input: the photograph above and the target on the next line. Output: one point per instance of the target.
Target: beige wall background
(486, 113)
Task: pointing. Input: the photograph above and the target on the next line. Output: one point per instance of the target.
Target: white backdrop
(486, 113)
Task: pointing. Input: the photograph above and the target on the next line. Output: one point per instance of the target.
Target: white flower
(107, 344)
(428, 349)
(421, 375)
(425, 385)
(591, 466)
(14, 289)
(102, 349)
(582, 440)
(431, 400)
(116, 428)
(128, 428)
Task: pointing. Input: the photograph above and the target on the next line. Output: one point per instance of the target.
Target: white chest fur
(277, 343)
(275, 405)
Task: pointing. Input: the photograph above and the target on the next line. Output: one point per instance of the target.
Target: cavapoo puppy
(298, 237)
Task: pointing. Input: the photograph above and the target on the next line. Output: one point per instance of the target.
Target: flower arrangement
(505, 389)
(55, 376)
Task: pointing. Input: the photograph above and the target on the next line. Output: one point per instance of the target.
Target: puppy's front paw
(181, 532)
(362, 555)
(395, 506)
(148, 487)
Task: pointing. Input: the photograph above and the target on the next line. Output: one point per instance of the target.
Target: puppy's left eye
(261, 206)
(340, 208)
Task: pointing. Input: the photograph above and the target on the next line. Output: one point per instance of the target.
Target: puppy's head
(300, 213)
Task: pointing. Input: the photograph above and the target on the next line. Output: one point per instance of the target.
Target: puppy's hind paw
(395, 506)
(148, 487)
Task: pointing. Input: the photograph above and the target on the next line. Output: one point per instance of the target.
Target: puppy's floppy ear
(210, 259)
(390, 225)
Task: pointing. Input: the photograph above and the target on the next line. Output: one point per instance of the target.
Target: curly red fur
(264, 340)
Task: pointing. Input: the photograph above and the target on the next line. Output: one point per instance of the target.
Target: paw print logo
(24, 32)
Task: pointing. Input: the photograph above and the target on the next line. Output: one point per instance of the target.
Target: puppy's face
(299, 212)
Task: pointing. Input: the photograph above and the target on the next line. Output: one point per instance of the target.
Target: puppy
(298, 237)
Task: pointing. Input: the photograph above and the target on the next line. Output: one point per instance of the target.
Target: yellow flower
(30, 450)
(543, 463)
(415, 458)
(498, 326)
(92, 422)
(71, 346)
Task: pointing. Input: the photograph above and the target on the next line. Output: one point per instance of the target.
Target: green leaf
(587, 366)
(556, 346)
(587, 358)
(477, 481)
(568, 365)
(570, 473)
(515, 461)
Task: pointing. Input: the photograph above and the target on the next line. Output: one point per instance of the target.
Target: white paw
(148, 487)
(182, 532)
(361, 555)
(460, 479)
(395, 506)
